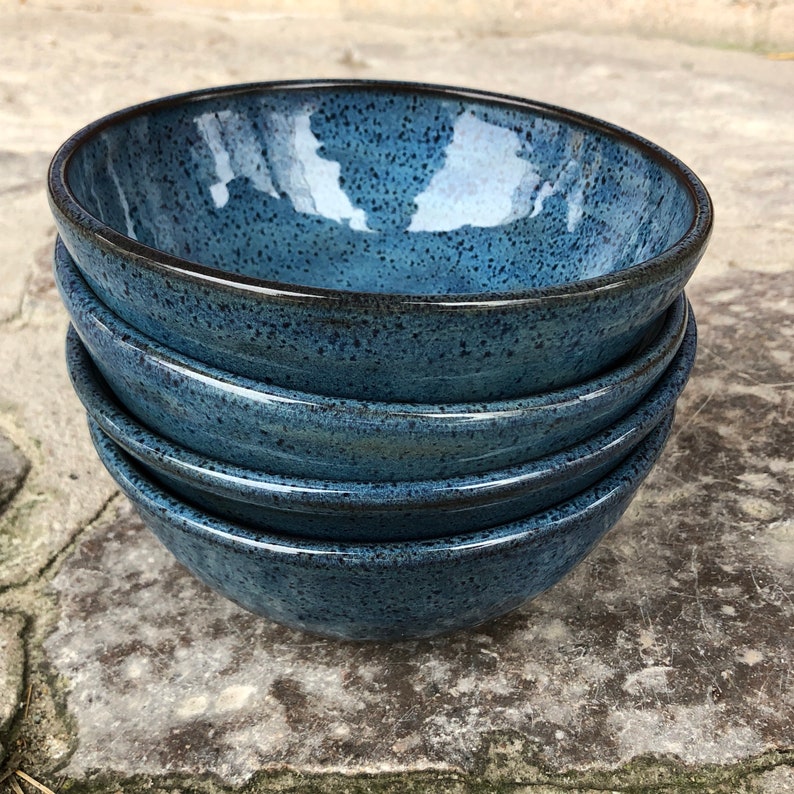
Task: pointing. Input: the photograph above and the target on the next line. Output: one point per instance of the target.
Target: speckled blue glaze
(311, 436)
(385, 591)
(382, 241)
(336, 510)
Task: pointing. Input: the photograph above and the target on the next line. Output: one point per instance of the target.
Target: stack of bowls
(375, 360)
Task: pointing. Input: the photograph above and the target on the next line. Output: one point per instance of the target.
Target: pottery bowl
(377, 512)
(385, 591)
(291, 433)
(385, 241)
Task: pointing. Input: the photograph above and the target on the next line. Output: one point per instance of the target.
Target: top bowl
(384, 241)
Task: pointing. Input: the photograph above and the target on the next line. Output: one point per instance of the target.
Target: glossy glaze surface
(385, 591)
(311, 436)
(381, 191)
(344, 238)
(383, 511)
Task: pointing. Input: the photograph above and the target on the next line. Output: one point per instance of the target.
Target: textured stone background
(749, 24)
(663, 663)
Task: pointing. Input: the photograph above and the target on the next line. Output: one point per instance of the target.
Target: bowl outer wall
(386, 591)
(378, 511)
(312, 436)
(386, 347)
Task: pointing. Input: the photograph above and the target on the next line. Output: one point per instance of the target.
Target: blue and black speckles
(384, 191)
(286, 217)
(308, 435)
(385, 591)
(334, 509)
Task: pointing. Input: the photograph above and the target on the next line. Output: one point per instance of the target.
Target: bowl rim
(620, 483)
(662, 345)
(64, 203)
(258, 487)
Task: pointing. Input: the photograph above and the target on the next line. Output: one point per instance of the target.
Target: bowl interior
(381, 189)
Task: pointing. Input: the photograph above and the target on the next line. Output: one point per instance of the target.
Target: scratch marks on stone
(694, 568)
(746, 375)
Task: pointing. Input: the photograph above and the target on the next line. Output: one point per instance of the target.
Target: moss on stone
(640, 776)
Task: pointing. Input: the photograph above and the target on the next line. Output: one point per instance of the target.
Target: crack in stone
(50, 567)
(10, 730)
(641, 776)
(41, 714)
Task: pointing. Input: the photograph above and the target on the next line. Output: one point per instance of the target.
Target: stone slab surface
(24, 208)
(673, 638)
(777, 781)
(11, 666)
(14, 467)
(727, 23)
(66, 486)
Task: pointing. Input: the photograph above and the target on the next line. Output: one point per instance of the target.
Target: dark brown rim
(691, 244)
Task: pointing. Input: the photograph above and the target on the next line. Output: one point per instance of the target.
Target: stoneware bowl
(297, 434)
(335, 510)
(385, 591)
(383, 241)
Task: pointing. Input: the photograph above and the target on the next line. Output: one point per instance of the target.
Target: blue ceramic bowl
(376, 512)
(385, 591)
(383, 241)
(311, 436)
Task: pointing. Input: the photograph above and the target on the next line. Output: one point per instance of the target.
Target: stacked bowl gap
(375, 360)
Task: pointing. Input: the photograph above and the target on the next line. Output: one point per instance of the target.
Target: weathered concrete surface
(24, 208)
(12, 658)
(777, 781)
(66, 487)
(762, 24)
(14, 467)
(685, 651)
(37, 410)
(673, 639)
